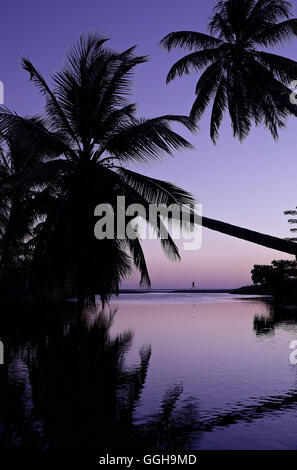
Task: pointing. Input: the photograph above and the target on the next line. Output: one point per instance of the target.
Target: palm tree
(252, 84)
(20, 201)
(236, 75)
(88, 134)
(22, 204)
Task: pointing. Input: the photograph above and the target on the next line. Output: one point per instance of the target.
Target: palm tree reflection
(65, 385)
(277, 316)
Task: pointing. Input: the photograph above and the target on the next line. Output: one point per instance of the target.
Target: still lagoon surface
(158, 370)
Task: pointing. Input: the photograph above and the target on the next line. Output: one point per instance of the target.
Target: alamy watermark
(1, 93)
(179, 221)
(1, 353)
(293, 95)
(293, 355)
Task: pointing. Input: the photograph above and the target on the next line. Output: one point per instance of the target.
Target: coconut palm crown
(236, 74)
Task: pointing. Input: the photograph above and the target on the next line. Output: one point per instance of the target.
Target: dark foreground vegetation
(278, 279)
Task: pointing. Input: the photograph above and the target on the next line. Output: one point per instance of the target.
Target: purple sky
(248, 184)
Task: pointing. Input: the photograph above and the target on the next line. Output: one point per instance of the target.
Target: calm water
(188, 371)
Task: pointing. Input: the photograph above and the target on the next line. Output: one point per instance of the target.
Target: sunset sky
(249, 184)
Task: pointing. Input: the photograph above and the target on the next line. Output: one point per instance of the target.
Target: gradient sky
(248, 184)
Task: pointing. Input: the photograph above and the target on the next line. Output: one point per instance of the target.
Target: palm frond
(206, 87)
(91, 91)
(274, 34)
(283, 69)
(147, 140)
(219, 106)
(279, 92)
(84, 50)
(31, 135)
(169, 247)
(266, 97)
(43, 173)
(189, 40)
(218, 25)
(291, 212)
(139, 261)
(115, 90)
(238, 105)
(194, 61)
(114, 121)
(155, 191)
(269, 11)
(52, 102)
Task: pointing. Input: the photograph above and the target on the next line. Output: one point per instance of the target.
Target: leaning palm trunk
(251, 236)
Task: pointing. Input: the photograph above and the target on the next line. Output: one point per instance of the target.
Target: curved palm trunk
(251, 236)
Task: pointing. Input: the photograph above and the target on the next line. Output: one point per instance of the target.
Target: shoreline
(175, 291)
(191, 291)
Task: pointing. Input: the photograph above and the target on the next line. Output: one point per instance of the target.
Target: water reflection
(65, 385)
(258, 409)
(277, 316)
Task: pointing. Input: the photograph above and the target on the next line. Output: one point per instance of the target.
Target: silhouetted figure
(193, 285)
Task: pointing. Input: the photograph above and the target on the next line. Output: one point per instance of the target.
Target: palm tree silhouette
(61, 166)
(22, 204)
(252, 84)
(20, 200)
(88, 134)
(94, 406)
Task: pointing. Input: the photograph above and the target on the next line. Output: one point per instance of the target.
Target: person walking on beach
(193, 285)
